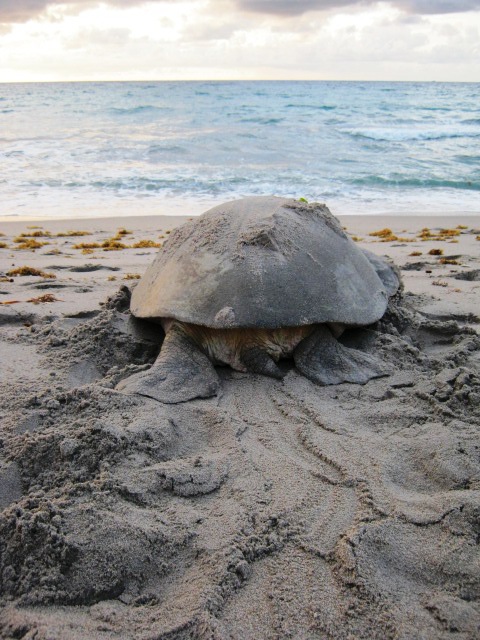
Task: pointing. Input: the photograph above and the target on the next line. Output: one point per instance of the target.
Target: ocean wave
(319, 107)
(143, 108)
(157, 149)
(468, 159)
(262, 120)
(406, 182)
(381, 134)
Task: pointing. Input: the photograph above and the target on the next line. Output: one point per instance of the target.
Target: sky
(55, 40)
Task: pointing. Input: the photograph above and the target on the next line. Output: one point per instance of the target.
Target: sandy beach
(279, 509)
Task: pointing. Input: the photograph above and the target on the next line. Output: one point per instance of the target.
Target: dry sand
(277, 510)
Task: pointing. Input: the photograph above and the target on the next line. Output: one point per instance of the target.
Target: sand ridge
(276, 510)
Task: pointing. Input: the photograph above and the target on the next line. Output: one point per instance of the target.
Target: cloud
(299, 7)
(14, 11)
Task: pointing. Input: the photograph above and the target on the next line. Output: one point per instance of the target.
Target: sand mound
(280, 509)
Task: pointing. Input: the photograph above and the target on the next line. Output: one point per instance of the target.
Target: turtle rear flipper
(322, 359)
(257, 360)
(181, 372)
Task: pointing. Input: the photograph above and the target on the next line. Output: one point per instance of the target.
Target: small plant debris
(30, 271)
(415, 253)
(356, 239)
(5, 279)
(435, 252)
(440, 283)
(448, 261)
(131, 276)
(3, 245)
(47, 297)
(462, 226)
(124, 232)
(110, 278)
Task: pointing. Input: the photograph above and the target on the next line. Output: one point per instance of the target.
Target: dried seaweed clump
(30, 271)
(146, 244)
(131, 276)
(383, 233)
(34, 234)
(444, 234)
(3, 245)
(435, 252)
(112, 244)
(449, 233)
(73, 234)
(87, 245)
(415, 253)
(387, 235)
(28, 243)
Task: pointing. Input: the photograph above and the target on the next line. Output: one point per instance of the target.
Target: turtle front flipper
(322, 359)
(181, 372)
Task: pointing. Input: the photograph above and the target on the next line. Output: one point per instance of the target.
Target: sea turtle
(253, 281)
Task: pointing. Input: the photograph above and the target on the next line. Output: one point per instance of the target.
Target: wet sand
(278, 509)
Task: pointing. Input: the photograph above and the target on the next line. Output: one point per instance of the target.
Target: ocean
(71, 150)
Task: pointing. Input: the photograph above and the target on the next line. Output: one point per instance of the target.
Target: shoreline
(150, 221)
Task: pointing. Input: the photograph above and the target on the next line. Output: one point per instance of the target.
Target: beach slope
(279, 509)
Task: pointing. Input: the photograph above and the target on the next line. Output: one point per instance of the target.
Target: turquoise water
(96, 149)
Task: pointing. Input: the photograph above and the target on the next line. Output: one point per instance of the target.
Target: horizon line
(217, 80)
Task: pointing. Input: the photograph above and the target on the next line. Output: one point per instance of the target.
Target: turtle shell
(263, 262)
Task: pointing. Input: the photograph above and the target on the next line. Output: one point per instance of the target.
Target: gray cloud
(22, 10)
(13, 11)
